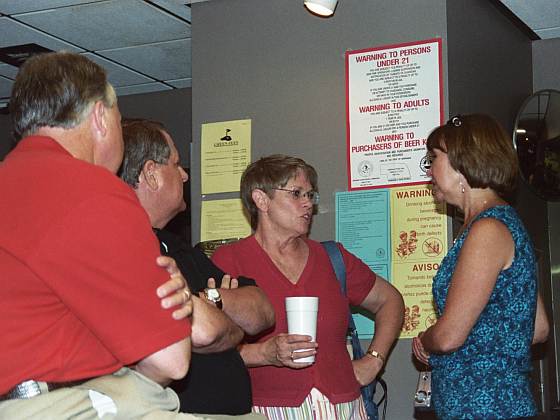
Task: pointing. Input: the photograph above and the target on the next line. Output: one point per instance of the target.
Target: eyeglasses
(313, 196)
(455, 121)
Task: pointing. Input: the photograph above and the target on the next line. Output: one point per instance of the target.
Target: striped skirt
(317, 406)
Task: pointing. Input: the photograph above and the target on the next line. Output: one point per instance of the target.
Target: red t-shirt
(77, 268)
(332, 372)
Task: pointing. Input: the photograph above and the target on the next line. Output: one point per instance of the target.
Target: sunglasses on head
(455, 121)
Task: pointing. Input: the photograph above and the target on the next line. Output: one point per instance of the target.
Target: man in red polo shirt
(78, 260)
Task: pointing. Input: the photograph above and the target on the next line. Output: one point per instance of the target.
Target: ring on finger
(292, 355)
(187, 295)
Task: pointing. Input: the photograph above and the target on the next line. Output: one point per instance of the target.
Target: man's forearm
(249, 308)
(212, 330)
(168, 364)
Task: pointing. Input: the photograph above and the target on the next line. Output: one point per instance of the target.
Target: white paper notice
(394, 101)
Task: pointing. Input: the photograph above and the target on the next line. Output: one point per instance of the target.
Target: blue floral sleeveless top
(488, 377)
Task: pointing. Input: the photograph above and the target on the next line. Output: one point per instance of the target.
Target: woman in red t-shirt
(279, 193)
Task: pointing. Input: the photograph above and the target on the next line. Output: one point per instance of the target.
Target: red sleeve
(360, 279)
(223, 257)
(108, 279)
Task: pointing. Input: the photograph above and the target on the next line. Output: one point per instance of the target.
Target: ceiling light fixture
(321, 7)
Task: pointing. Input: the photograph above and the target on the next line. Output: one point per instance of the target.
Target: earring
(462, 187)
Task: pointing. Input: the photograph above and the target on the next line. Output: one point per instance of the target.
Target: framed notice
(393, 101)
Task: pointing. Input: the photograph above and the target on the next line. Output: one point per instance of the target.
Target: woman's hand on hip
(280, 350)
(366, 369)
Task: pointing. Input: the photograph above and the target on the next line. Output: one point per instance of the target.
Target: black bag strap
(340, 270)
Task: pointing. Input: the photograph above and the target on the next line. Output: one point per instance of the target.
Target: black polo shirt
(217, 383)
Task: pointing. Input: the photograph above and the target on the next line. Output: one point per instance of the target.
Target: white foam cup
(302, 319)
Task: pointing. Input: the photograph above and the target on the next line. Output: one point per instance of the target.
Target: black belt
(30, 389)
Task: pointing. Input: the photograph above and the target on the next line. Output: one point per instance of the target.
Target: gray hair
(271, 172)
(57, 90)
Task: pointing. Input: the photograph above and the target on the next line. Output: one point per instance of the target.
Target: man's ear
(98, 117)
(261, 199)
(148, 175)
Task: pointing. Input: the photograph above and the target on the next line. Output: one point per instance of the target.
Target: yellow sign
(418, 244)
(223, 219)
(225, 153)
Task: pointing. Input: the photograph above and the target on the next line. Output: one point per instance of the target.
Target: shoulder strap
(340, 270)
(337, 262)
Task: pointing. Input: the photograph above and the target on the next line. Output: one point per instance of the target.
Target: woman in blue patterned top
(485, 291)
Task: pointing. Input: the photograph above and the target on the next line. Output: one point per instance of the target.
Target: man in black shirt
(224, 309)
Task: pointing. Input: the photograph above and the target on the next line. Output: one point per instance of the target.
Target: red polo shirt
(77, 268)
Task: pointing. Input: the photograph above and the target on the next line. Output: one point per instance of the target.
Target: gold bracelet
(377, 355)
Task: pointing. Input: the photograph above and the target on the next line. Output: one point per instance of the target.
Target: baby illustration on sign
(411, 318)
(408, 243)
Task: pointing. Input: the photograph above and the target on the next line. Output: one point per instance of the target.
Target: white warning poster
(394, 100)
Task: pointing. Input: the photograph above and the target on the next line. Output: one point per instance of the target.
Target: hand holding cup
(301, 314)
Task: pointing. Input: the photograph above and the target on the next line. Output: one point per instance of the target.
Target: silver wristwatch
(213, 295)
